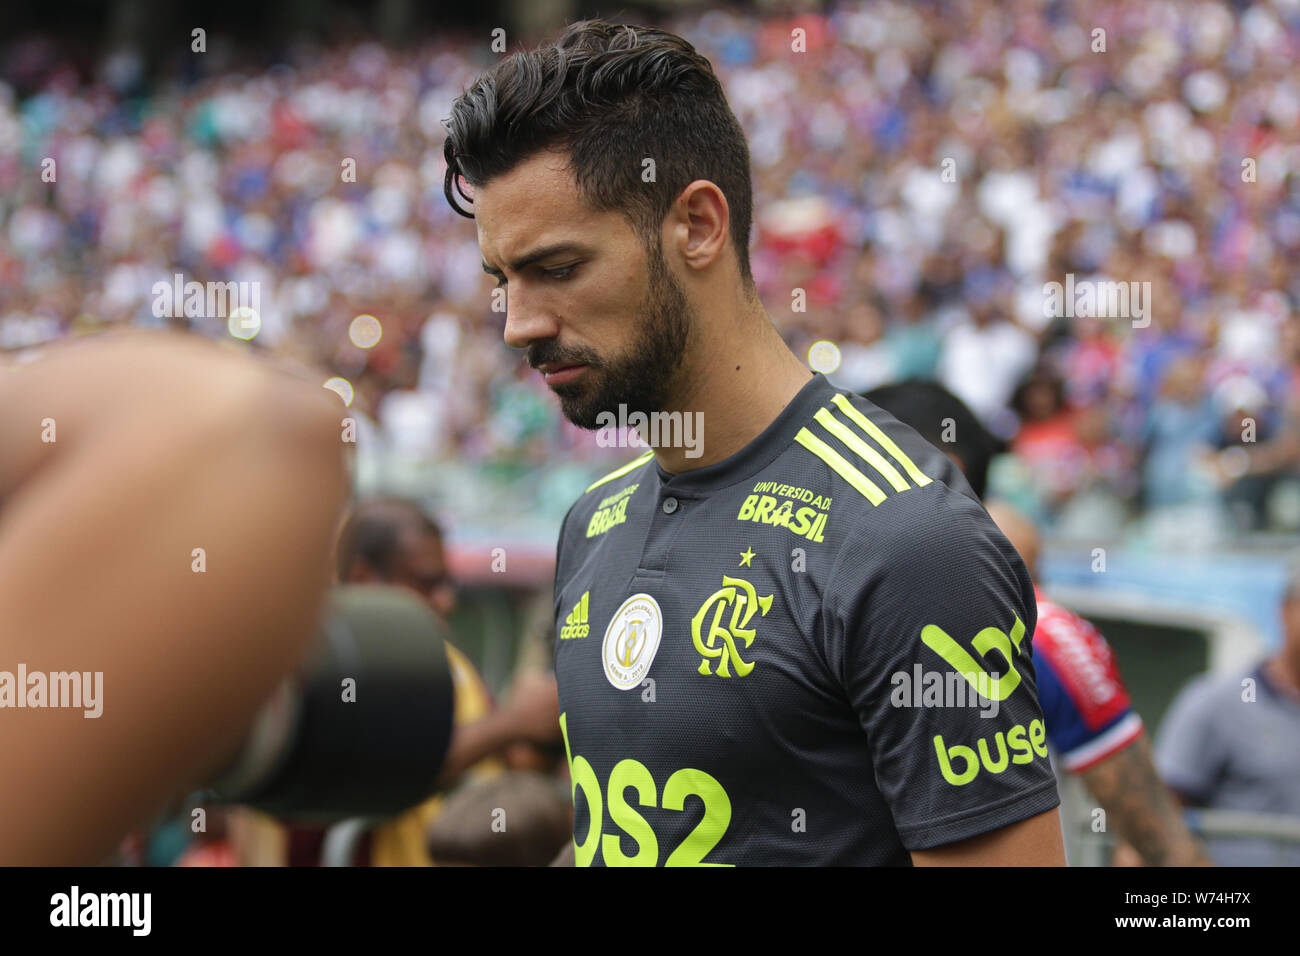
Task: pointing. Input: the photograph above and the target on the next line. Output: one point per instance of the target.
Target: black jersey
(814, 652)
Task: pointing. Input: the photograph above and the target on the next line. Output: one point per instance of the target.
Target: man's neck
(742, 378)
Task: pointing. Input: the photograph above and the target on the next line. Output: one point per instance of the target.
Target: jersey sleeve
(556, 580)
(1087, 708)
(561, 574)
(922, 619)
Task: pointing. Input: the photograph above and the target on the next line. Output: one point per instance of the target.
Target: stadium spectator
(1178, 437)
(1047, 440)
(1232, 742)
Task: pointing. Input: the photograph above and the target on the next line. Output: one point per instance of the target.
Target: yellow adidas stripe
(846, 471)
(872, 457)
(622, 471)
(579, 613)
(885, 442)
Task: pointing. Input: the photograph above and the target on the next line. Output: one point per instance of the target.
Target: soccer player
(735, 618)
(1090, 720)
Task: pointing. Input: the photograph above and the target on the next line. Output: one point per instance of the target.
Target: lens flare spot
(243, 322)
(365, 331)
(824, 357)
(342, 388)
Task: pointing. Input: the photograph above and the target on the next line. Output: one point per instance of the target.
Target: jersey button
(670, 505)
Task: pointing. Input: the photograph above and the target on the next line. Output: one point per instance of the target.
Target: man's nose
(527, 320)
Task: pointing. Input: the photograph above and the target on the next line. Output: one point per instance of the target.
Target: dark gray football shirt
(741, 649)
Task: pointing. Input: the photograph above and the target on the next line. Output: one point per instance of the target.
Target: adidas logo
(575, 625)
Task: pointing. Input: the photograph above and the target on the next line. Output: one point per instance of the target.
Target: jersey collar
(760, 452)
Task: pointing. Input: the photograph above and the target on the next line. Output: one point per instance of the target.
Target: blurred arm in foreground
(163, 445)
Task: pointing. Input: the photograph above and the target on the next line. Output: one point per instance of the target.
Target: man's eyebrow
(525, 261)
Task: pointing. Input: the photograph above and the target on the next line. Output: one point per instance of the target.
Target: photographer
(166, 515)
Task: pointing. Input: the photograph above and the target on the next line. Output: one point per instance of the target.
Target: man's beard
(644, 378)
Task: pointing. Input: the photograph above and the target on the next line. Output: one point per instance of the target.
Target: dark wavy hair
(609, 96)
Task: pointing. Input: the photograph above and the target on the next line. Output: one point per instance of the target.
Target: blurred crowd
(922, 170)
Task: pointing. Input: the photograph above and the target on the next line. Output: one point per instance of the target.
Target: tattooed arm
(1142, 808)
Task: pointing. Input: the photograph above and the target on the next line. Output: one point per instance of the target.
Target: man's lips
(557, 373)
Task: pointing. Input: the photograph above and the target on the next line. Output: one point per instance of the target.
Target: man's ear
(703, 223)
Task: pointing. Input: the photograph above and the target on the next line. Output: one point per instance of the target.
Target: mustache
(544, 353)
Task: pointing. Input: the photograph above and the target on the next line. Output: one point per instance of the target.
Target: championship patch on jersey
(631, 641)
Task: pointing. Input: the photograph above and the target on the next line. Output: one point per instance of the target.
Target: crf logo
(739, 595)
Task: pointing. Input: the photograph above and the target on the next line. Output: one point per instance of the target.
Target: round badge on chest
(631, 641)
